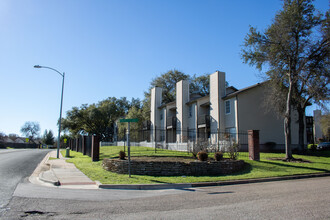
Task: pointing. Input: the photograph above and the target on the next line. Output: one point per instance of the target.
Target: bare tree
(31, 130)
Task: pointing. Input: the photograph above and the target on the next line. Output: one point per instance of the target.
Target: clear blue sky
(115, 48)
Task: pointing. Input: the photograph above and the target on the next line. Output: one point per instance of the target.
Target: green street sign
(129, 120)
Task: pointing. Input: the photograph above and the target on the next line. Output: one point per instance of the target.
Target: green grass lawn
(320, 162)
(52, 158)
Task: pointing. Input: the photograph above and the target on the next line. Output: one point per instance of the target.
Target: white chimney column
(217, 107)
(182, 97)
(156, 101)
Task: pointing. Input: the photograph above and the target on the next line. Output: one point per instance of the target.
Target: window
(190, 111)
(227, 105)
(161, 116)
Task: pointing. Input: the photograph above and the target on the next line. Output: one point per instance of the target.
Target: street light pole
(60, 120)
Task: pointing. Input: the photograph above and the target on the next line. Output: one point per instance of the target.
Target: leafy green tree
(48, 137)
(135, 127)
(167, 81)
(200, 84)
(67, 137)
(97, 119)
(31, 130)
(295, 53)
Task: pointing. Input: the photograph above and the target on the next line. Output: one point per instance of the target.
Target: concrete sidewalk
(59, 173)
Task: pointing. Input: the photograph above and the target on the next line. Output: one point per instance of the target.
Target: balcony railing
(171, 122)
(204, 120)
(309, 120)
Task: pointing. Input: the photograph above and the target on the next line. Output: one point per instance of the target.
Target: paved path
(61, 173)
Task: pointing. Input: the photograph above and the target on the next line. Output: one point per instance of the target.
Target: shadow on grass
(247, 169)
(293, 166)
(317, 153)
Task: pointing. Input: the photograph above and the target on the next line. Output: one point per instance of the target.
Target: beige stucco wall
(169, 112)
(252, 115)
(192, 120)
(230, 120)
(203, 110)
(317, 125)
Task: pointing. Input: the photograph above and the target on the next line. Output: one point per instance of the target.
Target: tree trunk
(287, 123)
(301, 121)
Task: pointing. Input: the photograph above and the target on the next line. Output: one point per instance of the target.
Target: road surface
(15, 166)
(291, 199)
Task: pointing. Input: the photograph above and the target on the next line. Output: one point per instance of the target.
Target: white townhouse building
(227, 110)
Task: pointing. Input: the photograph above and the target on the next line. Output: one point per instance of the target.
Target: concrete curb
(49, 177)
(146, 186)
(205, 184)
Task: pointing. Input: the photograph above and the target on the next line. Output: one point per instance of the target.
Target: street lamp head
(37, 66)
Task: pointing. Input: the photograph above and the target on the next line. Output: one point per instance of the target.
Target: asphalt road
(291, 199)
(15, 166)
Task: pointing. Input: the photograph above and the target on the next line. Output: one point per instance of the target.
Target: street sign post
(128, 120)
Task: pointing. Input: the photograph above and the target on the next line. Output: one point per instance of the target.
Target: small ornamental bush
(122, 155)
(312, 147)
(202, 156)
(218, 156)
(232, 151)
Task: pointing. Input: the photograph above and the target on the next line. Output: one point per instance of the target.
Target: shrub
(122, 155)
(232, 151)
(202, 155)
(312, 147)
(218, 156)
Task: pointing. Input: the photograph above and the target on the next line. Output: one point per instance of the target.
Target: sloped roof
(243, 90)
